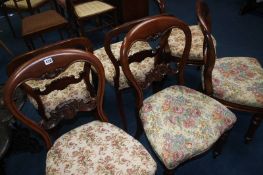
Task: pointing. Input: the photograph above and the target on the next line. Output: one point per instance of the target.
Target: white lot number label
(48, 61)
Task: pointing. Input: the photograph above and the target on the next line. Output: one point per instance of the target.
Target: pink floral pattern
(98, 148)
(139, 69)
(238, 80)
(181, 123)
(176, 43)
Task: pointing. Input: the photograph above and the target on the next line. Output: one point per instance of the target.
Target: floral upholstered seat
(181, 123)
(238, 80)
(98, 148)
(176, 43)
(55, 98)
(139, 70)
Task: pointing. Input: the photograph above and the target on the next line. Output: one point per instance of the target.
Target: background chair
(179, 122)
(176, 41)
(234, 81)
(109, 55)
(36, 24)
(103, 13)
(93, 148)
(62, 96)
(20, 6)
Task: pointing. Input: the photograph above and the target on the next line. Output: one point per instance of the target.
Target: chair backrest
(78, 43)
(154, 29)
(203, 15)
(209, 48)
(116, 34)
(38, 89)
(47, 66)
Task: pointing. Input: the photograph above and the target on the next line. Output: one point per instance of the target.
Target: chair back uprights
(209, 48)
(156, 32)
(48, 66)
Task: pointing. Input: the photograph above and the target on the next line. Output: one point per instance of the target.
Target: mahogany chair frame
(35, 68)
(156, 27)
(15, 64)
(116, 33)
(210, 58)
(143, 32)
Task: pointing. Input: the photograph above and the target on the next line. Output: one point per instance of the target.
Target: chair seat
(238, 80)
(42, 22)
(139, 70)
(176, 43)
(98, 148)
(181, 123)
(22, 4)
(92, 8)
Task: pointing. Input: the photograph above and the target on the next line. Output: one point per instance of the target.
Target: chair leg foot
(219, 144)
(255, 122)
(120, 108)
(168, 172)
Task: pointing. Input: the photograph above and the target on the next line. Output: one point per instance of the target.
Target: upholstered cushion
(181, 123)
(176, 43)
(139, 69)
(238, 80)
(73, 70)
(98, 148)
(22, 4)
(92, 8)
(76, 91)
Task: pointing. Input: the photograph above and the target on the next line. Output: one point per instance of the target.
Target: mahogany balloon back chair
(236, 82)
(176, 40)
(179, 122)
(97, 147)
(109, 55)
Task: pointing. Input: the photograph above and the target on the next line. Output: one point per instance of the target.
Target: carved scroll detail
(68, 110)
(53, 74)
(157, 74)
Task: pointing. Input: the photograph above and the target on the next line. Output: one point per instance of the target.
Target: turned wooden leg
(255, 122)
(168, 172)
(120, 108)
(139, 129)
(219, 144)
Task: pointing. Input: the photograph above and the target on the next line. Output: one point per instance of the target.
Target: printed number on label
(48, 61)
